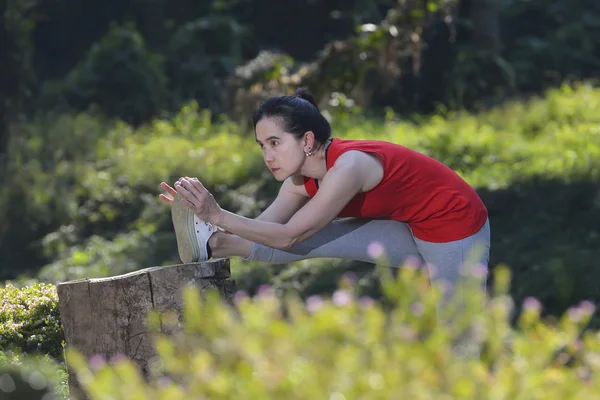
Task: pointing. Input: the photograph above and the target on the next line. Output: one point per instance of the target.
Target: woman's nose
(267, 155)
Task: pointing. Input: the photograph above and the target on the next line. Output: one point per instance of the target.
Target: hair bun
(305, 94)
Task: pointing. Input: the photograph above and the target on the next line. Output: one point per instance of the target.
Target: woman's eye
(274, 143)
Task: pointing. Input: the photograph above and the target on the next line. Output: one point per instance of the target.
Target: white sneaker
(191, 232)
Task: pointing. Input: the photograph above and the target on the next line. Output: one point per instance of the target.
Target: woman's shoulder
(295, 184)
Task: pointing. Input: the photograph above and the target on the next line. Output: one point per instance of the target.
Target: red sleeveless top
(436, 203)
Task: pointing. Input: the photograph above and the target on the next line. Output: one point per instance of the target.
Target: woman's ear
(309, 141)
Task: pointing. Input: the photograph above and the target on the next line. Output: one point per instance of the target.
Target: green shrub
(120, 77)
(43, 184)
(30, 320)
(348, 347)
(200, 57)
(26, 377)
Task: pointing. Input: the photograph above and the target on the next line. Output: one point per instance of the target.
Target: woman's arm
(291, 197)
(340, 184)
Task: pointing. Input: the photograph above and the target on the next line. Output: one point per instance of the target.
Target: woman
(337, 199)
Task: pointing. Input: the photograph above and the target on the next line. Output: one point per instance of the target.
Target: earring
(309, 153)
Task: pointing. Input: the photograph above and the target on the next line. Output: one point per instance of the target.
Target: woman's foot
(223, 244)
(192, 234)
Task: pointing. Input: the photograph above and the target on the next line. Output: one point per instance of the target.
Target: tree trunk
(6, 85)
(108, 316)
(486, 25)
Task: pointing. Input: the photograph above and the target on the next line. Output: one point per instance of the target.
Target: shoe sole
(183, 224)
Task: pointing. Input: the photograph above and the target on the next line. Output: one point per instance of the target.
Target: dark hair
(296, 114)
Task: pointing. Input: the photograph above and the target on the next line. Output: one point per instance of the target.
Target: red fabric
(437, 204)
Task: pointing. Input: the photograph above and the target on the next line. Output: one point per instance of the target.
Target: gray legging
(353, 239)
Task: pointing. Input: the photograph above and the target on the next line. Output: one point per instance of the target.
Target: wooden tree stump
(108, 316)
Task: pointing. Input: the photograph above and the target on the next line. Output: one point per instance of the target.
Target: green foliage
(43, 170)
(90, 207)
(563, 43)
(17, 21)
(119, 76)
(549, 41)
(26, 377)
(350, 347)
(201, 43)
(30, 320)
(201, 56)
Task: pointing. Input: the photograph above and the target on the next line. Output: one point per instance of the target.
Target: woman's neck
(315, 165)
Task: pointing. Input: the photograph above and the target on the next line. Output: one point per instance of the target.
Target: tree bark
(108, 316)
(486, 25)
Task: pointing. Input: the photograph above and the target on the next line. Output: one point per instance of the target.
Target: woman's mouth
(273, 170)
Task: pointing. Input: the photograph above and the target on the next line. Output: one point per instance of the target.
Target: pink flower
(432, 269)
(265, 290)
(239, 296)
(412, 262)
(532, 304)
(375, 250)
(341, 298)
(575, 314)
(118, 358)
(417, 309)
(314, 303)
(365, 302)
(97, 362)
(587, 307)
(479, 271)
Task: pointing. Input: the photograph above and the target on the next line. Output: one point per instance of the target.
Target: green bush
(30, 320)
(120, 77)
(200, 57)
(27, 377)
(43, 184)
(348, 347)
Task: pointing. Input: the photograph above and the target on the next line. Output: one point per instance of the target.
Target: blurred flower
(119, 358)
(479, 271)
(97, 362)
(314, 303)
(163, 382)
(341, 298)
(375, 250)
(433, 270)
(417, 309)
(587, 307)
(365, 302)
(349, 279)
(407, 333)
(239, 296)
(265, 290)
(532, 304)
(412, 262)
(575, 314)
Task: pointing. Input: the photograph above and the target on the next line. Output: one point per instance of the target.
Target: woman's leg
(347, 238)
(452, 260)
(361, 240)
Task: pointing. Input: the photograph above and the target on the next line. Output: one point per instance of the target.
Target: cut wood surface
(108, 316)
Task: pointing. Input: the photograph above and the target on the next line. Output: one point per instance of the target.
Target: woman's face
(282, 152)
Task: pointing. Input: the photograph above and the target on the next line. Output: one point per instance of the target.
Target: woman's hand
(198, 199)
(170, 191)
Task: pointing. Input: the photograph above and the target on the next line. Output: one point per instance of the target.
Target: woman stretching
(337, 198)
